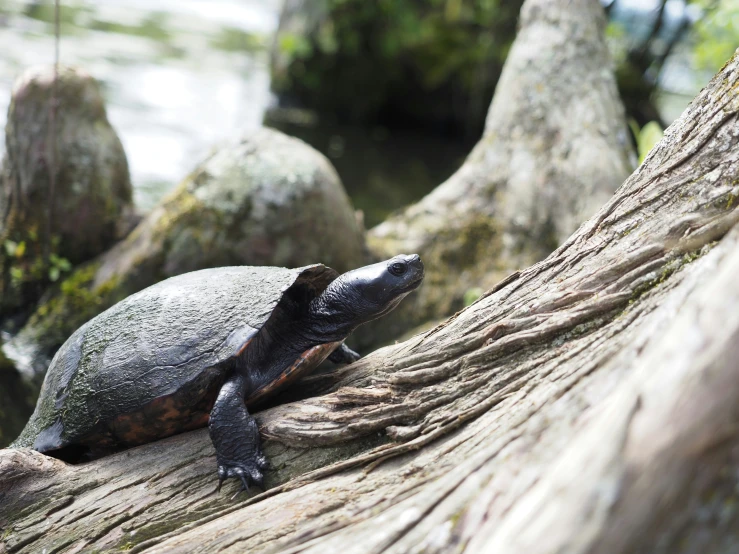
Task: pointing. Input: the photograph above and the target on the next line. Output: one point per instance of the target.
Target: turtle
(199, 349)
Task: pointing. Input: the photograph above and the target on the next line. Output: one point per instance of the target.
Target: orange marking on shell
(162, 417)
(307, 361)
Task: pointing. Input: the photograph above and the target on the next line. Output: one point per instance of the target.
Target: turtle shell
(152, 365)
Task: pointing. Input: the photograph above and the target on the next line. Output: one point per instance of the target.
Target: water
(179, 75)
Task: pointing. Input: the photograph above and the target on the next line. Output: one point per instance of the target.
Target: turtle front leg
(235, 435)
(343, 355)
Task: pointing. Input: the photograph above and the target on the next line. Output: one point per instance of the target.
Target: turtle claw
(236, 437)
(243, 480)
(222, 476)
(245, 473)
(245, 485)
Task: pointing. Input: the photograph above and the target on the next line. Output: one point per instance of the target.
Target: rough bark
(589, 403)
(555, 148)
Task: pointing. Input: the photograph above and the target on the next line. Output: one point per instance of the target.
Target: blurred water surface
(179, 75)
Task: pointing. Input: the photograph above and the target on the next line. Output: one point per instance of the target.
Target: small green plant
(15, 249)
(57, 266)
(28, 263)
(471, 295)
(646, 137)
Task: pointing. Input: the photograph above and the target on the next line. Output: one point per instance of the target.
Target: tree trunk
(555, 148)
(589, 403)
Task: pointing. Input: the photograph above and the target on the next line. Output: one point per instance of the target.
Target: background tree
(555, 147)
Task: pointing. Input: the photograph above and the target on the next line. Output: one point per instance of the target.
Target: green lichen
(669, 269)
(161, 527)
(584, 328)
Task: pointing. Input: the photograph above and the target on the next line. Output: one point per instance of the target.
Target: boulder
(65, 191)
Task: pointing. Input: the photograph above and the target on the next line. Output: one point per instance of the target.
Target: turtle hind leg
(343, 355)
(235, 436)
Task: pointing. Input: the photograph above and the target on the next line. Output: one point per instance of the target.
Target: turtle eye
(398, 268)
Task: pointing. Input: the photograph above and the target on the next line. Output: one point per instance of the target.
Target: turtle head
(367, 293)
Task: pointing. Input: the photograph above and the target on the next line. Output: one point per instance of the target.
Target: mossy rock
(64, 199)
(267, 199)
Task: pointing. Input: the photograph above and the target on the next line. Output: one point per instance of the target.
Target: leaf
(54, 273)
(10, 247)
(20, 249)
(649, 135)
(64, 264)
(471, 295)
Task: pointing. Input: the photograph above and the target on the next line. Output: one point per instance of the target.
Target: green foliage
(646, 137)
(618, 42)
(24, 266)
(71, 16)
(716, 34)
(57, 266)
(407, 57)
(15, 249)
(33, 266)
(442, 37)
(471, 295)
(295, 46)
(231, 39)
(152, 27)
